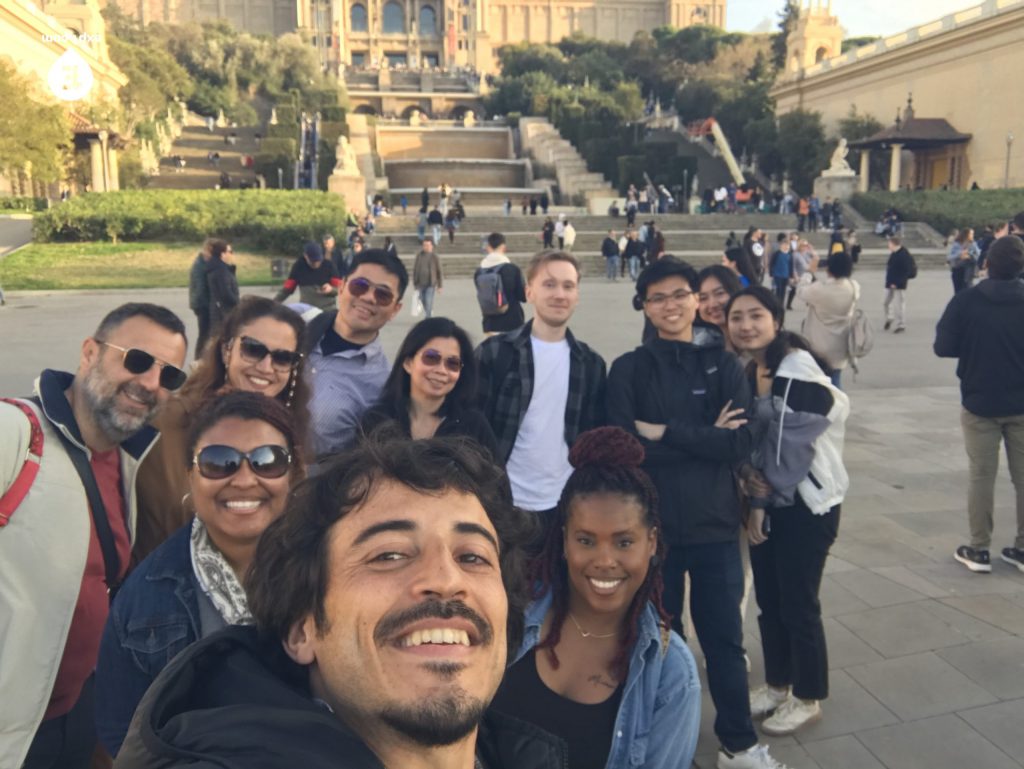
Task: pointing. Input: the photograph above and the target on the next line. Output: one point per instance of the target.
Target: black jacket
(470, 423)
(233, 701)
(900, 268)
(609, 247)
(983, 326)
(684, 386)
(435, 217)
(223, 287)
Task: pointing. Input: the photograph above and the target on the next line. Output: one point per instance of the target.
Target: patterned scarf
(216, 577)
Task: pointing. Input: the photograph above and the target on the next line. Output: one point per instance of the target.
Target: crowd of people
(300, 553)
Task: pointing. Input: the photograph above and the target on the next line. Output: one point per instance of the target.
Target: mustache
(139, 393)
(391, 625)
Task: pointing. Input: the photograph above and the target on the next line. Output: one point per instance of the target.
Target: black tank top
(586, 729)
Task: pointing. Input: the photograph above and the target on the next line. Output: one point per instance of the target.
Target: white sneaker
(754, 758)
(791, 715)
(764, 700)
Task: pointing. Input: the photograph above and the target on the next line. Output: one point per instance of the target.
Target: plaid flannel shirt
(506, 386)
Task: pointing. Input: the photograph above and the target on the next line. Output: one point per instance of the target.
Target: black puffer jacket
(684, 386)
(233, 701)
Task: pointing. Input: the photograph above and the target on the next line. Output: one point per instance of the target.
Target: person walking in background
(802, 256)
(569, 236)
(830, 306)
(436, 221)
(316, 278)
(427, 278)
(781, 267)
(983, 327)
(963, 259)
(404, 203)
(634, 255)
(222, 284)
(424, 199)
(900, 269)
(500, 288)
(610, 252)
(199, 294)
(803, 210)
(547, 233)
(421, 223)
(560, 232)
(451, 223)
(508, 206)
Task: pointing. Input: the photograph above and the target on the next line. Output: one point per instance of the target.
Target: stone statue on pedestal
(345, 157)
(838, 165)
(469, 119)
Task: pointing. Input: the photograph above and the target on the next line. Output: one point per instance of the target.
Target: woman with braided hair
(599, 666)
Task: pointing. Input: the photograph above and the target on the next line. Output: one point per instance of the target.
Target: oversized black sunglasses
(382, 295)
(137, 361)
(432, 357)
(220, 462)
(254, 351)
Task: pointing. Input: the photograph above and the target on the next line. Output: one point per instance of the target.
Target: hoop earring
(185, 506)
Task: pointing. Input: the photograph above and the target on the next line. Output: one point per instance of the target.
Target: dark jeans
(787, 578)
(779, 285)
(203, 317)
(68, 741)
(716, 587)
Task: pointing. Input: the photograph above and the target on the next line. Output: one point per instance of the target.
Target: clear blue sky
(859, 17)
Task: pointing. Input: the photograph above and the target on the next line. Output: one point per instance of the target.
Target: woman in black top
(223, 285)
(432, 386)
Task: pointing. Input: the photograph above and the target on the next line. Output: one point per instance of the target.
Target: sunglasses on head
(255, 351)
(432, 357)
(219, 462)
(382, 295)
(137, 361)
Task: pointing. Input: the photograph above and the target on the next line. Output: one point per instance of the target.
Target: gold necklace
(589, 635)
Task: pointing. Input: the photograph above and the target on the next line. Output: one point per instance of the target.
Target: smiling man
(66, 531)
(345, 361)
(386, 599)
(540, 387)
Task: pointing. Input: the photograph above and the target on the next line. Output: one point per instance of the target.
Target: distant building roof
(913, 133)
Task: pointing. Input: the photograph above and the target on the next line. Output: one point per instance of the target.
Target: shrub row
(271, 220)
(944, 210)
(21, 203)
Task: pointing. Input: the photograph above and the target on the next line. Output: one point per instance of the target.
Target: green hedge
(21, 203)
(287, 115)
(944, 210)
(283, 131)
(260, 219)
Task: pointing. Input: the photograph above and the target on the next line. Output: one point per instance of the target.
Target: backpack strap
(29, 470)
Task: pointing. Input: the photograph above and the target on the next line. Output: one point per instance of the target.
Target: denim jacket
(659, 717)
(155, 616)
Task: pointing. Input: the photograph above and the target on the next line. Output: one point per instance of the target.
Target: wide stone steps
(193, 145)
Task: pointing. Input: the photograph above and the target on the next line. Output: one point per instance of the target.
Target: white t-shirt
(539, 464)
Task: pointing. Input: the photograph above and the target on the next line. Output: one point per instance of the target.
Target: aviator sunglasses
(382, 295)
(219, 462)
(255, 351)
(432, 357)
(137, 361)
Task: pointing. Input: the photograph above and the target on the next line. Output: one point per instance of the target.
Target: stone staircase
(697, 239)
(545, 145)
(194, 143)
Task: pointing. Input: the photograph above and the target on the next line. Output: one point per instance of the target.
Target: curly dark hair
(291, 568)
(210, 375)
(607, 461)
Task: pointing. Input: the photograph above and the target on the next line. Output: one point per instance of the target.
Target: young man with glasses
(686, 397)
(346, 362)
(65, 532)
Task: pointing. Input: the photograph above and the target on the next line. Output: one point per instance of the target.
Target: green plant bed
(17, 203)
(944, 210)
(61, 266)
(264, 220)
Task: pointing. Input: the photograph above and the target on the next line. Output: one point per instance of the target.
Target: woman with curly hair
(599, 666)
(256, 350)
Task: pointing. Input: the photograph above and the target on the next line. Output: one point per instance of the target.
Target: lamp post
(1009, 145)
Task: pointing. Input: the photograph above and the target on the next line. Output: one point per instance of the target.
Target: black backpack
(490, 291)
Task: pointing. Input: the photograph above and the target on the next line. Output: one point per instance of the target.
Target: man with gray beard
(68, 459)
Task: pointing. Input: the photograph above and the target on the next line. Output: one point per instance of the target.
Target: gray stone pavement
(927, 659)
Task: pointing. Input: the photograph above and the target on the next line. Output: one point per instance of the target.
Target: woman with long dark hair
(256, 350)
(432, 386)
(599, 666)
(798, 475)
(736, 259)
(717, 284)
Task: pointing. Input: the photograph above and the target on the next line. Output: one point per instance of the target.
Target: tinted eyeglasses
(219, 462)
(254, 351)
(432, 357)
(137, 361)
(382, 295)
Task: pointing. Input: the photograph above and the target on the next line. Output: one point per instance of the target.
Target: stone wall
(480, 173)
(409, 143)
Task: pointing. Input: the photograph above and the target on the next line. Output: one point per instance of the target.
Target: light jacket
(659, 716)
(830, 305)
(803, 452)
(43, 551)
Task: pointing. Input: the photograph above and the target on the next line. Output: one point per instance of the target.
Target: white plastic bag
(416, 308)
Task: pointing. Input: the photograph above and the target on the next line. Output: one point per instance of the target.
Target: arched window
(820, 55)
(394, 19)
(428, 21)
(357, 18)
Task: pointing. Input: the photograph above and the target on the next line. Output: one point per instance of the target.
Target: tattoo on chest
(600, 680)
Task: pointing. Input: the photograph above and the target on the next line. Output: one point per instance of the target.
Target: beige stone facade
(964, 68)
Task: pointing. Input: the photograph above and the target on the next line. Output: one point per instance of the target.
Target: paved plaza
(927, 659)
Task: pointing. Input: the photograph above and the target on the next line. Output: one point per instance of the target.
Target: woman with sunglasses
(598, 665)
(432, 386)
(257, 350)
(242, 456)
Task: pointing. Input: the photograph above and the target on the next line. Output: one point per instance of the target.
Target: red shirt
(83, 644)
